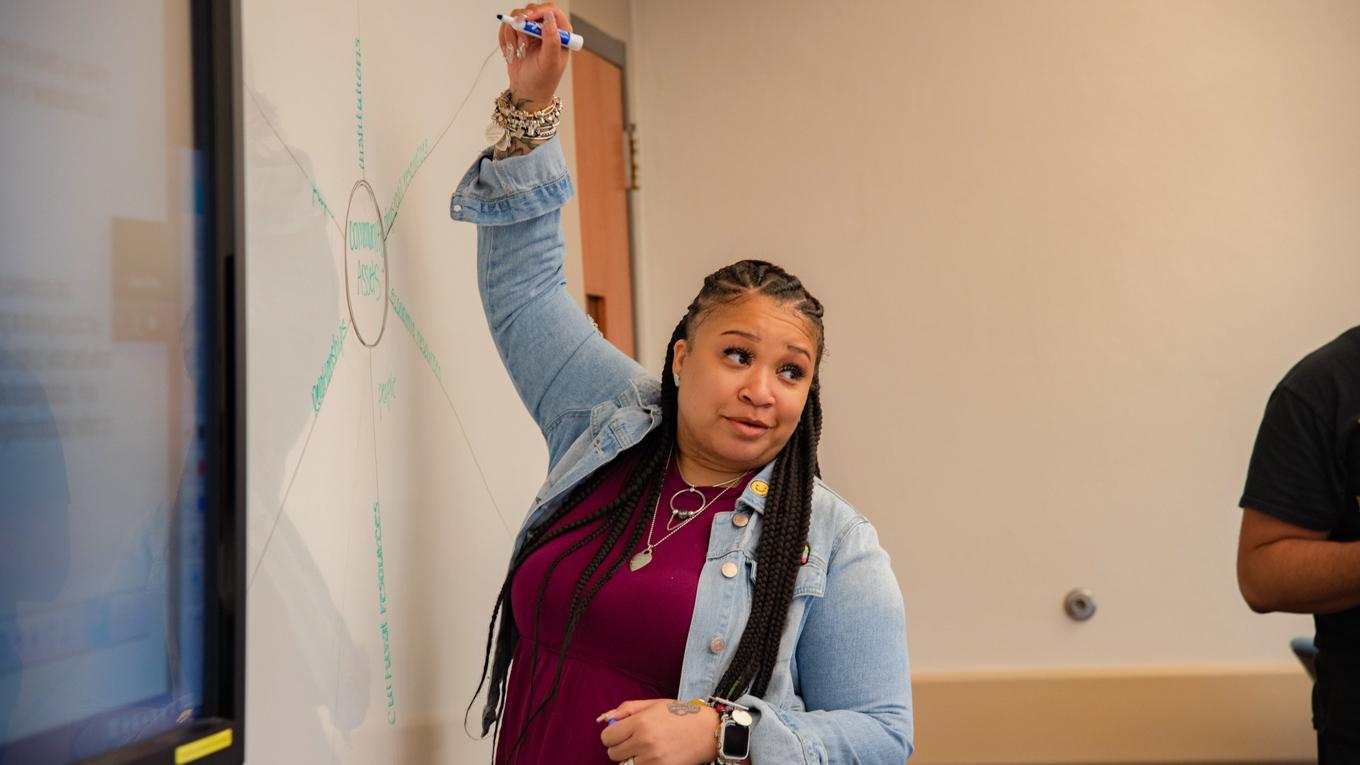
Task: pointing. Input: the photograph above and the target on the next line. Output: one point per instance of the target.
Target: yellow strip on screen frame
(197, 750)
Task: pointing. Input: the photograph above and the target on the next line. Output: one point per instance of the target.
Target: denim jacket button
(729, 569)
(457, 208)
(740, 520)
(717, 645)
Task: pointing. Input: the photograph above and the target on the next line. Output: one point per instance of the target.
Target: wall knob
(1080, 604)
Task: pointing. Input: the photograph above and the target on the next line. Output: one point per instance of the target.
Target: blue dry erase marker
(570, 41)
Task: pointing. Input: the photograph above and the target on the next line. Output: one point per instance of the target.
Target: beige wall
(614, 17)
(1066, 249)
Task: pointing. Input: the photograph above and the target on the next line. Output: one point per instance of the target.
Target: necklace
(645, 557)
(678, 514)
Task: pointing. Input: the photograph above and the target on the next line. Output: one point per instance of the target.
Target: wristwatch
(734, 731)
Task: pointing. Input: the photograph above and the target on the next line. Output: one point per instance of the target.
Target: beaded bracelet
(509, 123)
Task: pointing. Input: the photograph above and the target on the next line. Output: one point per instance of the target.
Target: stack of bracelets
(513, 124)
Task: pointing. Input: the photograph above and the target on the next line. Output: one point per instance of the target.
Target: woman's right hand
(535, 66)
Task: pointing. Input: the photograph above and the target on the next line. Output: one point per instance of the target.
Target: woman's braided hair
(788, 508)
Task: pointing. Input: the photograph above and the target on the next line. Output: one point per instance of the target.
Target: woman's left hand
(661, 732)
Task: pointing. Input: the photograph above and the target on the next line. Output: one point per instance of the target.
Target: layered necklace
(679, 517)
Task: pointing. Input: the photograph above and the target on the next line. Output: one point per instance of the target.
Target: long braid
(788, 510)
(815, 404)
(542, 596)
(580, 599)
(508, 635)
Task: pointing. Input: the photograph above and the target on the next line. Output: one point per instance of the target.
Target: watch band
(734, 731)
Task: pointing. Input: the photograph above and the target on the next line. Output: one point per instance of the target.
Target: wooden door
(602, 187)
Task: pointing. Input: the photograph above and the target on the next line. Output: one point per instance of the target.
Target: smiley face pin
(760, 488)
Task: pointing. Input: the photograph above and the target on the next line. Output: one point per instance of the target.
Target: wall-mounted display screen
(107, 363)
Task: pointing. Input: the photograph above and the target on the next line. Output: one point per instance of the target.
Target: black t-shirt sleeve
(1293, 474)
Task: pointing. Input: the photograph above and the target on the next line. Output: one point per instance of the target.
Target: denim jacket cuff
(515, 189)
(774, 737)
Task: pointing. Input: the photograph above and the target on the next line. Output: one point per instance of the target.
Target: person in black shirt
(1299, 549)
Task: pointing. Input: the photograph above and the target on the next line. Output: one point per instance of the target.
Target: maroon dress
(630, 643)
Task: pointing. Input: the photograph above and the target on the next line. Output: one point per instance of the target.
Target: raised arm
(560, 364)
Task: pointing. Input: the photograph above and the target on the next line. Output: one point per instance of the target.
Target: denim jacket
(841, 690)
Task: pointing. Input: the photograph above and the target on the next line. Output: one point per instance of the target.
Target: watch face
(736, 741)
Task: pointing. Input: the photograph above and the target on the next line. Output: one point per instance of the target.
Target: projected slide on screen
(101, 495)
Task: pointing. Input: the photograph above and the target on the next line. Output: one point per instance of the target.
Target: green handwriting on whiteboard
(368, 281)
(364, 236)
(359, 99)
(410, 323)
(319, 202)
(387, 391)
(382, 613)
(324, 380)
(422, 151)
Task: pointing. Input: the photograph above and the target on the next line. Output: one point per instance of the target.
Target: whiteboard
(389, 459)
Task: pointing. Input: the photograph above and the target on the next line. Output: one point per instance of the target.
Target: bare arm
(1283, 567)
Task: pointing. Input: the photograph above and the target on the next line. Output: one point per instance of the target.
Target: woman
(685, 589)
